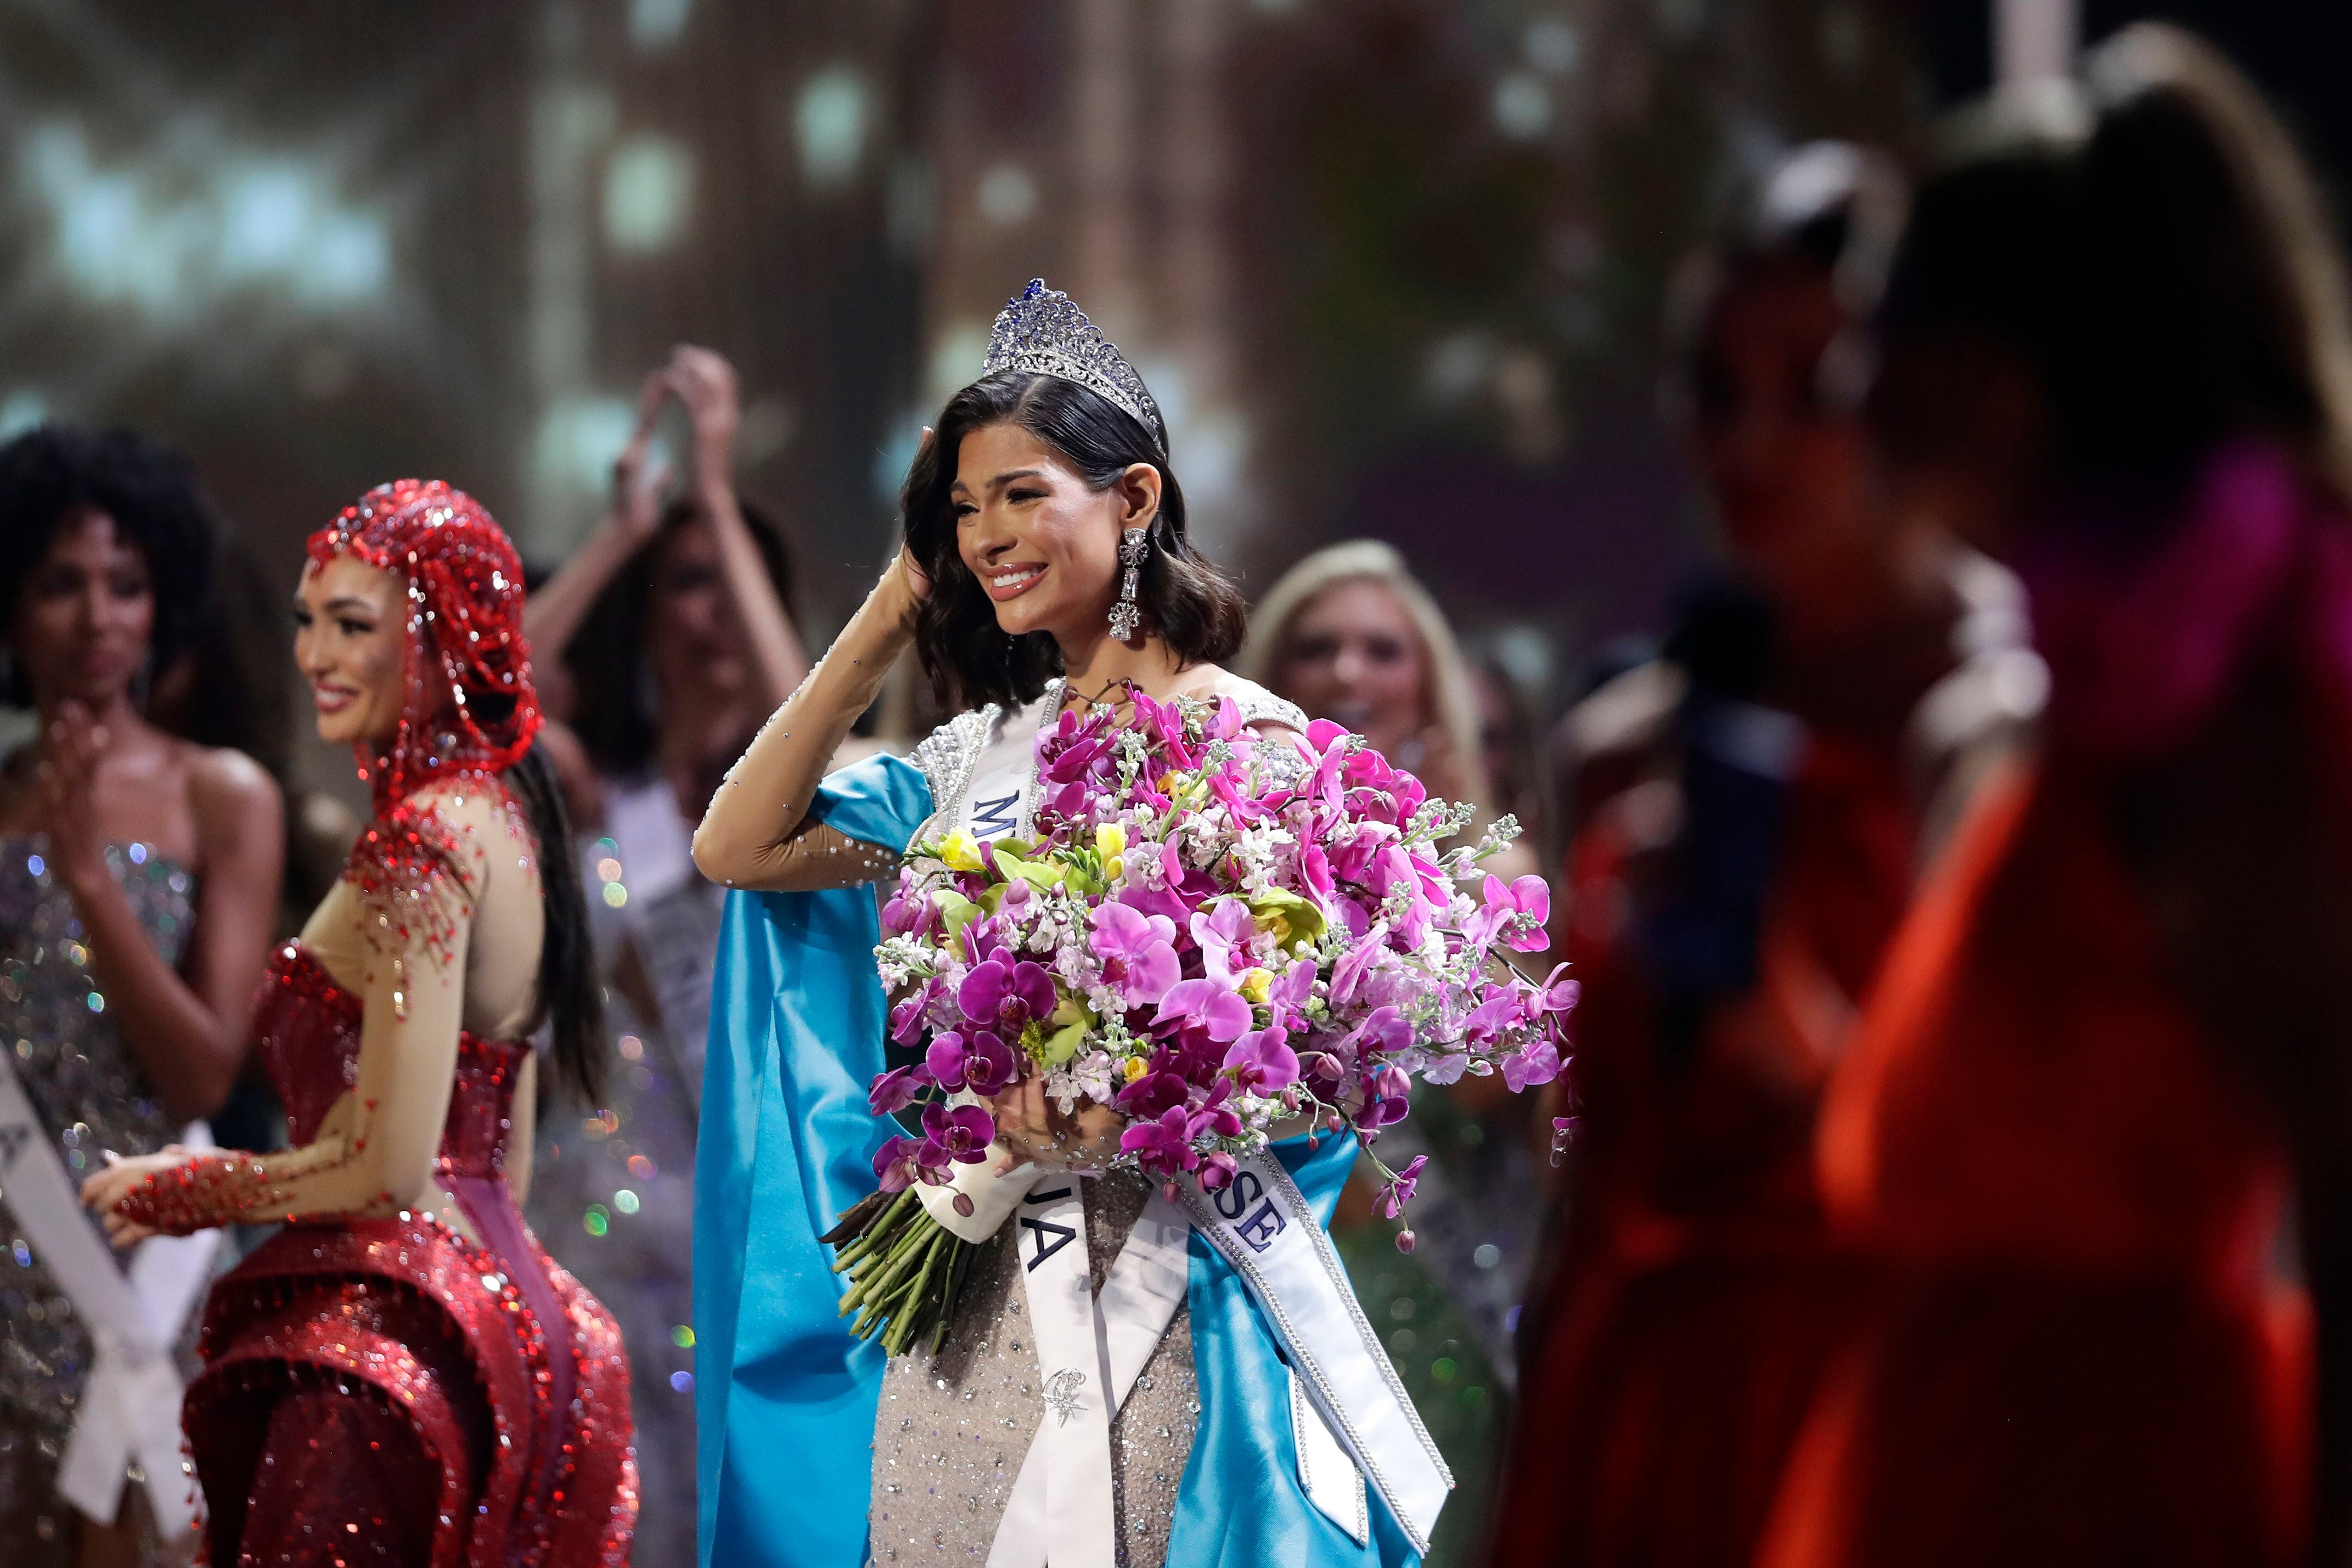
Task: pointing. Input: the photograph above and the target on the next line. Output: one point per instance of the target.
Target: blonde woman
(1351, 634)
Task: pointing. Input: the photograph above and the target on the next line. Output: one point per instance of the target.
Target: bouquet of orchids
(1213, 935)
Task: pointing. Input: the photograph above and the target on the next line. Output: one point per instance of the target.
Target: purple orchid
(1398, 1191)
(1263, 1062)
(961, 1134)
(1154, 1092)
(1162, 1145)
(898, 1089)
(1138, 953)
(1217, 1171)
(1006, 996)
(894, 1163)
(981, 1062)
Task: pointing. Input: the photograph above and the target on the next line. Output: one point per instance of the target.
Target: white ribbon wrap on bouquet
(1260, 1222)
(131, 1404)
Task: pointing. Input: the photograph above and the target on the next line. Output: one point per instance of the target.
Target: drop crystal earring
(1126, 614)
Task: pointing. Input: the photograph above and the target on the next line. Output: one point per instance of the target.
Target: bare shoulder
(229, 792)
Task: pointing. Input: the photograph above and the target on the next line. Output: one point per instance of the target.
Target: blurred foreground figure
(138, 881)
(670, 620)
(2121, 1011)
(1750, 808)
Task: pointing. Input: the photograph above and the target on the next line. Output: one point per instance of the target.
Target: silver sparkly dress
(89, 1091)
(951, 1430)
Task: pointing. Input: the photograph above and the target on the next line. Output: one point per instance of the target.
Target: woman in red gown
(2116, 1025)
(1753, 808)
(401, 1375)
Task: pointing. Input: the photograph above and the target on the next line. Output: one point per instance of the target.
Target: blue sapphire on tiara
(1041, 331)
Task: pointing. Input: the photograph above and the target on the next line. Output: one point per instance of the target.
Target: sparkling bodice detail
(90, 1095)
(307, 1029)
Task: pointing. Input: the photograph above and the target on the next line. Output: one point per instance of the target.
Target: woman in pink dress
(401, 1375)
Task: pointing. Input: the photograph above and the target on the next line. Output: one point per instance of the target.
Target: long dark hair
(1186, 598)
(569, 993)
(613, 701)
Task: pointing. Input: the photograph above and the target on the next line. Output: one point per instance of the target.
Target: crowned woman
(401, 1375)
(1135, 1398)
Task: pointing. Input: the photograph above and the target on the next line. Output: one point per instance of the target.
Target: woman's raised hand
(68, 774)
(705, 384)
(637, 483)
(1034, 1129)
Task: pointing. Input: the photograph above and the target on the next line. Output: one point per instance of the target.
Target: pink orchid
(1516, 912)
(1263, 1061)
(1536, 1063)
(1398, 1191)
(1203, 1006)
(1138, 953)
(1220, 930)
(1163, 1144)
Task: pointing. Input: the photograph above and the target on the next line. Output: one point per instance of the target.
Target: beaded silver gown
(91, 1092)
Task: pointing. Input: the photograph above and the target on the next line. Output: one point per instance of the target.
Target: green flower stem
(886, 1221)
(903, 1254)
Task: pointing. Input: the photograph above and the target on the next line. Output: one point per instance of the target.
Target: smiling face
(1354, 657)
(84, 618)
(350, 627)
(1044, 546)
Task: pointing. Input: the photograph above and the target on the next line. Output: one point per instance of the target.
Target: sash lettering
(996, 818)
(1235, 1199)
(1039, 1230)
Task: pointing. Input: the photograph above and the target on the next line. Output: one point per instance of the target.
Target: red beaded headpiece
(470, 706)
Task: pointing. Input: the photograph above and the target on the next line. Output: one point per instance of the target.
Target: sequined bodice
(91, 1095)
(307, 1028)
(77, 1072)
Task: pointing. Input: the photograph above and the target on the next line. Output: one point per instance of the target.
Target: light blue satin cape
(785, 1398)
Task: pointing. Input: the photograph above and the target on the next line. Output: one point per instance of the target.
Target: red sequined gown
(388, 1391)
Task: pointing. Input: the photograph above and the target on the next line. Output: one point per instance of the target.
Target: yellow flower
(1110, 841)
(1135, 1066)
(1287, 917)
(1255, 984)
(961, 850)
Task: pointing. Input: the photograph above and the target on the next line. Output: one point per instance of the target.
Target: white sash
(1260, 1224)
(131, 1405)
(1137, 1300)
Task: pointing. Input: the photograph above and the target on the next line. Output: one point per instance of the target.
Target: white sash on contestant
(1348, 1412)
(131, 1405)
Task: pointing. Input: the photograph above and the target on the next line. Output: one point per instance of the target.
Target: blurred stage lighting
(656, 24)
(1007, 195)
(23, 409)
(648, 185)
(250, 224)
(831, 122)
(578, 440)
(1522, 106)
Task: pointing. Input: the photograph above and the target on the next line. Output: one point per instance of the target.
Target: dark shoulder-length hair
(1186, 598)
(612, 706)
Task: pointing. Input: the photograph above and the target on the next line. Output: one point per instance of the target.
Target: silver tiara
(1041, 331)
